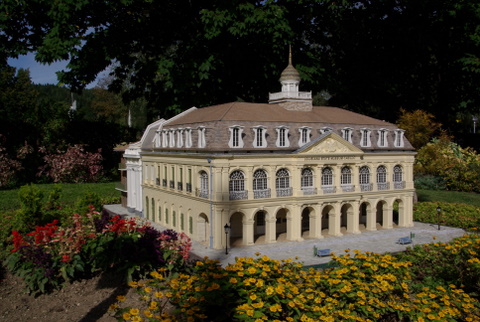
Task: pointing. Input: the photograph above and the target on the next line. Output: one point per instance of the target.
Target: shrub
(455, 263)
(75, 165)
(430, 183)
(458, 167)
(452, 214)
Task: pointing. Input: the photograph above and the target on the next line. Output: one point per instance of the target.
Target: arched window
(346, 176)
(282, 183)
(259, 180)
(381, 174)
(327, 180)
(327, 177)
(307, 178)
(307, 182)
(398, 177)
(203, 184)
(382, 178)
(365, 179)
(346, 179)
(237, 186)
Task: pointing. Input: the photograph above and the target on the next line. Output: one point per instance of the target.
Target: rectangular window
(282, 137)
(259, 137)
(235, 137)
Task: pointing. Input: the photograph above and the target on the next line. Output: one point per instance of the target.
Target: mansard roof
(263, 113)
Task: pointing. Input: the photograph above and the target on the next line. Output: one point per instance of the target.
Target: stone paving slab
(379, 241)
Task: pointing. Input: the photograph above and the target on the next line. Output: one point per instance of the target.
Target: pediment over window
(329, 143)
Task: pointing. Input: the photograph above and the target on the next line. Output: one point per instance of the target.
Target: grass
(469, 198)
(69, 195)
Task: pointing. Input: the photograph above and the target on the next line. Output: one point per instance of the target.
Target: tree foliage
(420, 127)
(371, 56)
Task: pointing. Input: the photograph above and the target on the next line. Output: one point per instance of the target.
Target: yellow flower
(233, 280)
(134, 311)
(148, 314)
(148, 289)
(126, 316)
(253, 297)
(121, 298)
(136, 319)
(132, 284)
(251, 270)
(269, 290)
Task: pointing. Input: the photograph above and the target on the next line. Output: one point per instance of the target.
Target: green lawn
(449, 196)
(70, 193)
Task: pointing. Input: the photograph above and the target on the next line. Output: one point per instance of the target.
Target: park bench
(321, 252)
(404, 240)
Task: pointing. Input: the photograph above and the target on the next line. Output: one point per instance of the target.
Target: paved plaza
(379, 241)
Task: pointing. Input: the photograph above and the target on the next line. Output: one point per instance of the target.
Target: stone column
(270, 227)
(334, 221)
(316, 222)
(294, 223)
(353, 216)
(248, 234)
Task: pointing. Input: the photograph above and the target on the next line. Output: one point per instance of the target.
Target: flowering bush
(8, 168)
(363, 287)
(52, 255)
(74, 165)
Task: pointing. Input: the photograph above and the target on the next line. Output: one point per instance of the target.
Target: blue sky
(41, 74)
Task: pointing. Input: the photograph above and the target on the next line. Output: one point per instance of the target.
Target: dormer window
(399, 138)
(382, 138)
(325, 129)
(171, 137)
(282, 137)
(236, 140)
(347, 134)
(304, 135)
(157, 140)
(165, 138)
(179, 138)
(188, 137)
(260, 140)
(201, 137)
(365, 138)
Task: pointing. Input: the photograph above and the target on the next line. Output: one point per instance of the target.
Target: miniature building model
(286, 170)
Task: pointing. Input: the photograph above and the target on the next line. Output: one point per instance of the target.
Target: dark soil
(86, 300)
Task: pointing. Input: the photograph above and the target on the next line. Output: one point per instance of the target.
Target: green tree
(370, 56)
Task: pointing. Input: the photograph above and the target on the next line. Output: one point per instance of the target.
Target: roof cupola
(290, 97)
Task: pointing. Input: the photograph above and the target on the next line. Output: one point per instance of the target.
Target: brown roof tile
(261, 112)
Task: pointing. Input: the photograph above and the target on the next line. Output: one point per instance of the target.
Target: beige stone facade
(272, 172)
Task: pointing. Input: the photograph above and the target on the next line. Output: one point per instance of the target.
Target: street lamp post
(439, 212)
(475, 120)
(227, 229)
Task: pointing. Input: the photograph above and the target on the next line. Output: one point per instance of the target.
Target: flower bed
(52, 255)
(363, 287)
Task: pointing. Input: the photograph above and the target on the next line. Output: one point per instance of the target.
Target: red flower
(65, 258)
